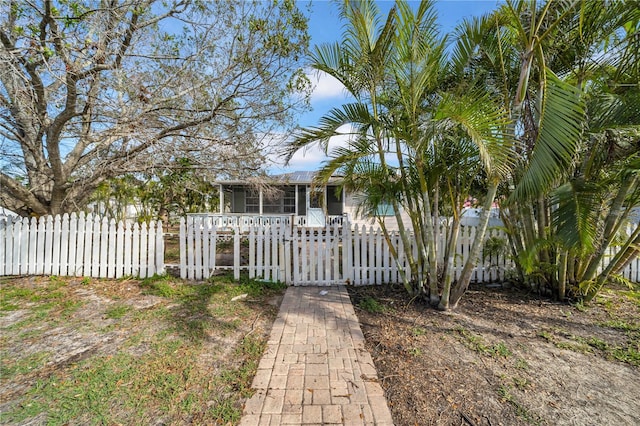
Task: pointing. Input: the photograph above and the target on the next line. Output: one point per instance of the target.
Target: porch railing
(246, 220)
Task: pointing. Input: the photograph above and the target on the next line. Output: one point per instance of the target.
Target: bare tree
(96, 89)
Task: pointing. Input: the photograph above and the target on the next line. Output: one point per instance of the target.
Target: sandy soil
(506, 358)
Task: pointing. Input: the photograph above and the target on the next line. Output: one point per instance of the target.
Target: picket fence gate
(335, 254)
(81, 245)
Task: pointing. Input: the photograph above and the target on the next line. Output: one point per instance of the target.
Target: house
(7, 216)
(295, 196)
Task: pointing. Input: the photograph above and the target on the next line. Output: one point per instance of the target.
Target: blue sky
(325, 27)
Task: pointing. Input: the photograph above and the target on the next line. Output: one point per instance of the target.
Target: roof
(292, 178)
(4, 212)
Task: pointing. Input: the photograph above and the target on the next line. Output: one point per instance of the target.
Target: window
(385, 209)
(252, 203)
(283, 201)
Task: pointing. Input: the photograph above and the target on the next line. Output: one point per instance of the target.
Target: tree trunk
(447, 276)
(611, 227)
(465, 278)
(562, 275)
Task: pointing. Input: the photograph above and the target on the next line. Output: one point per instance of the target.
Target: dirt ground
(156, 352)
(505, 358)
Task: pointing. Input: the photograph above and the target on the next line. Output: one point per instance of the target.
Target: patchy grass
(130, 352)
(371, 305)
(117, 312)
(478, 344)
(622, 309)
(504, 391)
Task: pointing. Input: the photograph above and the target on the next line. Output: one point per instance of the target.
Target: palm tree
(413, 128)
(569, 196)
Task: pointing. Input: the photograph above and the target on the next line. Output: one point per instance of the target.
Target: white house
(295, 195)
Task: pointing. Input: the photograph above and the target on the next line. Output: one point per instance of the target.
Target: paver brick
(261, 379)
(295, 382)
(290, 358)
(278, 382)
(276, 420)
(317, 358)
(273, 402)
(380, 410)
(255, 403)
(291, 419)
(332, 414)
(316, 382)
(321, 397)
(373, 388)
(352, 415)
(292, 401)
(266, 363)
(250, 420)
(280, 369)
(302, 348)
(312, 414)
(315, 369)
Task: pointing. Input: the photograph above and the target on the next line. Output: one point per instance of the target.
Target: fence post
(126, 261)
(183, 248)
(11, 230)
(64, 246)
(206, 234)
(236, 253)
(151, 249)
(260, 252)
(282, 269)
(197, 232)
(252, 251)
(335, 249)
(160, 249)
(73, 244)
(295, 279)
(24, 246)
(112, 246)
(347, 271)
(275, 251)
(3, 250)
(79, 261)
(287, 254)
(190, 242)
(30, 229)
(213, 246)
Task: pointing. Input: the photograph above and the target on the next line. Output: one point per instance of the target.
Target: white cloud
(309, 158)
(325, 86)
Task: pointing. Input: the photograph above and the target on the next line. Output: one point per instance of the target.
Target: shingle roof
(297, 177)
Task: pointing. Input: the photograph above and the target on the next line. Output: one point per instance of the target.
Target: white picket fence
(314, 256)
(79, 245)
(332, 255)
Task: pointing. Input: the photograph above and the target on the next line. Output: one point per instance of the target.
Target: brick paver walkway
(315, 369)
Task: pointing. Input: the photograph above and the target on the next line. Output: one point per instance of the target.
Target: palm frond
(486, 124)
(561, 127)
(577, 205)
(354, 113)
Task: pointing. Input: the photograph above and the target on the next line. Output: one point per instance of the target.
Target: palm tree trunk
(394, 254)
(465, 277)
(604, 275)
(428, 241)
(628, 255)
(447, 275)
(612, 224)
(515, 240)
(562, 275)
